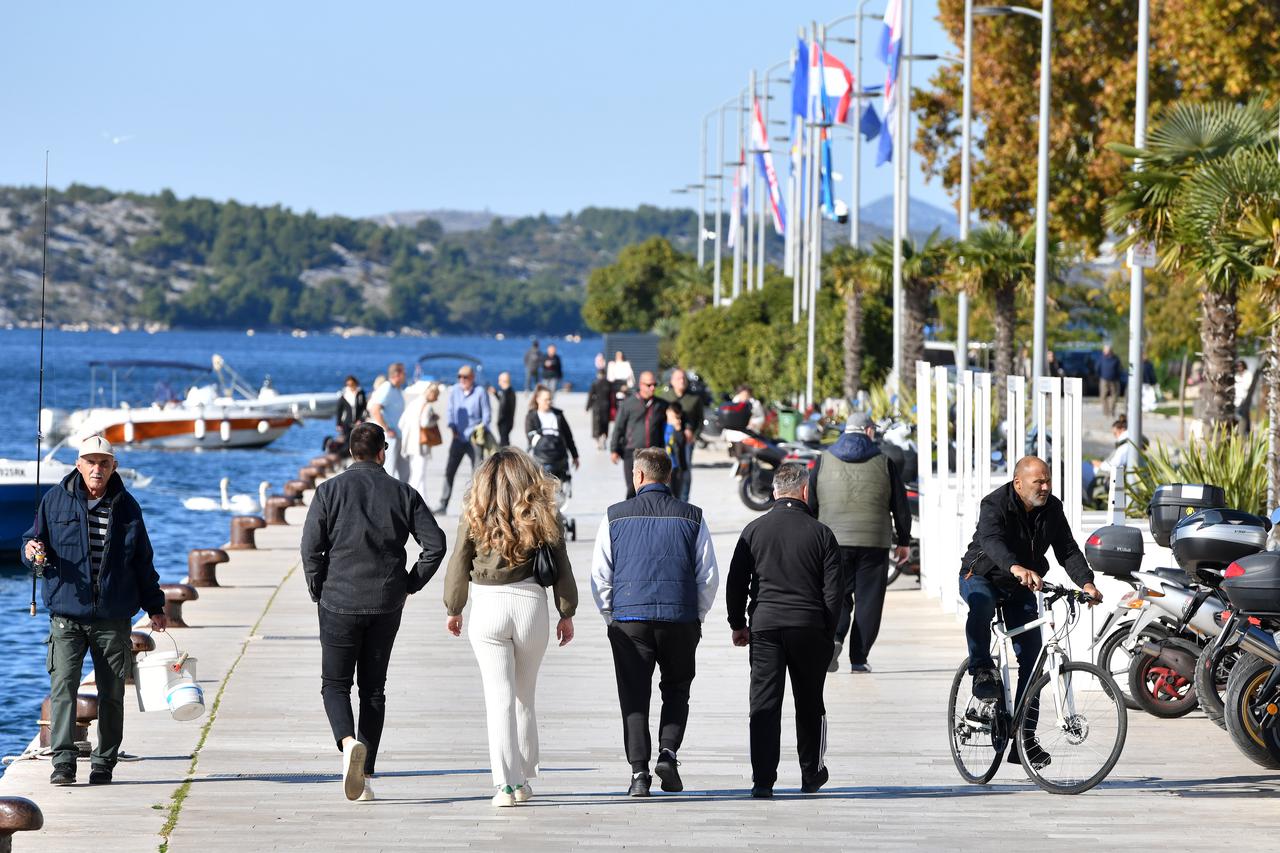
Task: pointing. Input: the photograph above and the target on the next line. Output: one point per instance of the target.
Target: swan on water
(239, 504)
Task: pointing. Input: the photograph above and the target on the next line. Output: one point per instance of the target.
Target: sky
(360, 109)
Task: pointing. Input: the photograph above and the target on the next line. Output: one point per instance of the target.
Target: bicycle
(1084, 735)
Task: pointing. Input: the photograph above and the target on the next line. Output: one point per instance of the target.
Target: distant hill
(135, 260)
(452, 221)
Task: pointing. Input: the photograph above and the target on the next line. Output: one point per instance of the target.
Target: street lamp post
(855, 217)
(766, 197)
(1045, 16)
(966, 145)
(1137, 275)
(749, 244)
(719, 239)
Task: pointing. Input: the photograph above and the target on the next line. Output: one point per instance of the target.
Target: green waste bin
(788, 420)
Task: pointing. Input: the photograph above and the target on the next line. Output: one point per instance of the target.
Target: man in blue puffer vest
(654, 578)
(90, 545)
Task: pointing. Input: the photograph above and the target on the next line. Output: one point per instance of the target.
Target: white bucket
(156, 673)
(185, 700)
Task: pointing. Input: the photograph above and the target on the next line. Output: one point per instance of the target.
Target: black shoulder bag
(545, 570)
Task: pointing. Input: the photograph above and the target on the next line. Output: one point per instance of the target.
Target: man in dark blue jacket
(1110, 374)
(654, 578)
(90, 546)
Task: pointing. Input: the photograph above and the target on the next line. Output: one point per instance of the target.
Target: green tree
(852, 272)
(642, 287)
(924, 268)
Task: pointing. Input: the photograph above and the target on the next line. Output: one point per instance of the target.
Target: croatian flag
(823, 102)
(764, 160)
(836, 84)
(890, 55)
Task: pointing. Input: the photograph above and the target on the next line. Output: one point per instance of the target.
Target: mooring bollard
(140, 641)
(202, 565)
(17, 814)
(86, 712)
(242, 527)
(308, 476)
(274, 510)
(293, 491)
(174, 595)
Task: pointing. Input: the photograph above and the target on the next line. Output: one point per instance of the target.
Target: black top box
(1174, 501)
(1115, 550)
(1252, 584)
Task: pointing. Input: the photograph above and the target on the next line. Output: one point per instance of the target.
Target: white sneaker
(353, 754)
(368, 793)
(505, 797)
(523, 793)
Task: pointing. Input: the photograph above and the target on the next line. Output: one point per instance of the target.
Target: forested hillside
(128, 259)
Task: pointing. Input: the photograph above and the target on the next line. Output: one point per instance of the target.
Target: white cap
(96, 444)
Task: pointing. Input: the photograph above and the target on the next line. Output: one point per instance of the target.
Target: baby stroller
(554, 459)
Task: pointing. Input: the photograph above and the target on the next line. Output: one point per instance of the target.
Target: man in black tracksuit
(788, 563)
(354, 560)
(641, 423)
(1017, 523)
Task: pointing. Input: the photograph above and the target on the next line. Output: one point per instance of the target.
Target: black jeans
(356, 647)
(865, 574)
(804, 654)
(1018, 607)
(628, 467)
(458, 448)
(637, 647)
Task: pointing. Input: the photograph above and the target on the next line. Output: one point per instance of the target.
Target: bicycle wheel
(1083, 742)
(977, 730)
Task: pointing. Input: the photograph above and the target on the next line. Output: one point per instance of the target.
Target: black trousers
(637, 647)
(458, 448)
(803, 653)
(865, 573)
(356, 647)
(628, 467)
(504, 435)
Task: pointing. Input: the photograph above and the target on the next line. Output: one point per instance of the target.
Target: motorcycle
(1252, 700)
(759, 458)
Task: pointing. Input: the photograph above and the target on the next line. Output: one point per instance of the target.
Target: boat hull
(198, 433)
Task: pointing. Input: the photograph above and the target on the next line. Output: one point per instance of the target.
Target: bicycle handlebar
(1056, 592)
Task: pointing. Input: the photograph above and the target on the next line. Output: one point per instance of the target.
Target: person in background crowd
(1109, 373)
(509, 512)
(642, 422)
(552, 369)
(600, 405)
(856, 491)
(505, 396)
(619, 371)
(419, 423)
(692, 416)
(1150, 386)
(386, 406)
(532, 364)
(674, 444)
(1124, 454)
(600, 363)
(354, 562)
(550, 439)
(89, 547)
(468, 411)
(654, 578)
(1244, 384)
(788, 564)
(351, 409)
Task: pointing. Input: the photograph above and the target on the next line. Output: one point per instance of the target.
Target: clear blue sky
(518, 107)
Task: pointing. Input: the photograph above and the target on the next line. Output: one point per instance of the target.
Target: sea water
(294, 364)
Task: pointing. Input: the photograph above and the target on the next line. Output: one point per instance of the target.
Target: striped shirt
(99, 518)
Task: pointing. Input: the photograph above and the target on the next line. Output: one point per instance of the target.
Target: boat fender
(128, 432)
(263, 426)
(224, 430)
(199, 429)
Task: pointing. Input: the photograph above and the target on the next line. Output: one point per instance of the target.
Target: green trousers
(107, 641)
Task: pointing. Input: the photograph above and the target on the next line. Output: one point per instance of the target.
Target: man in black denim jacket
(354, 559)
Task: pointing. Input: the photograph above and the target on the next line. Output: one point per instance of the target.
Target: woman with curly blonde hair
(509, 512)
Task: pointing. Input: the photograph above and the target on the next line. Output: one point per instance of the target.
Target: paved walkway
(265, 774)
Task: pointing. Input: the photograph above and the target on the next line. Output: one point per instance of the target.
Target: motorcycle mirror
(1275, 516)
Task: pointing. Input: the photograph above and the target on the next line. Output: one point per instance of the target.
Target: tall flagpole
(750, 246)
(816, 230)
(901, 156)
(966, 146)
(736, 290)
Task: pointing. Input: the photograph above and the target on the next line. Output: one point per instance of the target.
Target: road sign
(1143, 254)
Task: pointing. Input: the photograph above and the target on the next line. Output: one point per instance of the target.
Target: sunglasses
(648, 384)
(386, 446)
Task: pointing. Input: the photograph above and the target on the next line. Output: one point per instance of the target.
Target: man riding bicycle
(1017, 523)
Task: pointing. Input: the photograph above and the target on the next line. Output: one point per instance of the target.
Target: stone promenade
(261, 773)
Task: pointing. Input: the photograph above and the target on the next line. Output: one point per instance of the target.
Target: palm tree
(853, 275)
(996, 262)
(924, 266)
(1188, 142)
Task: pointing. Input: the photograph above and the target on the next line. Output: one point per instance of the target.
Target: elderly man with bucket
(92, 593)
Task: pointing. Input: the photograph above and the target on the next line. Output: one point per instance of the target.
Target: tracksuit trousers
(637, 648)
(509, 627)
(804, 654)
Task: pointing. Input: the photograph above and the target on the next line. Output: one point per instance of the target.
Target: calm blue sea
(294, 364)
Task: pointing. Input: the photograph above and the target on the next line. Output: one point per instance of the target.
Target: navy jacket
(1109, 367)
(654, 560)
(127, 579)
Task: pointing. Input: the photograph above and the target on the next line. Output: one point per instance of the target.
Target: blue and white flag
(890, 55)
(799, 103)
(870, 123)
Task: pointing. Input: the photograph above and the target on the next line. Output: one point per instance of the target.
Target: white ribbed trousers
(508, 628)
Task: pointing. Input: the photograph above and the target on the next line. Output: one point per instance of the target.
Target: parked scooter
(1252, 701)
(759, 458)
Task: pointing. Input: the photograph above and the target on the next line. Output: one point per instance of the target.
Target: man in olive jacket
(354, 559)
(90, 546)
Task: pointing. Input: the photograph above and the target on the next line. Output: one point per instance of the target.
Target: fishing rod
(37, 563)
